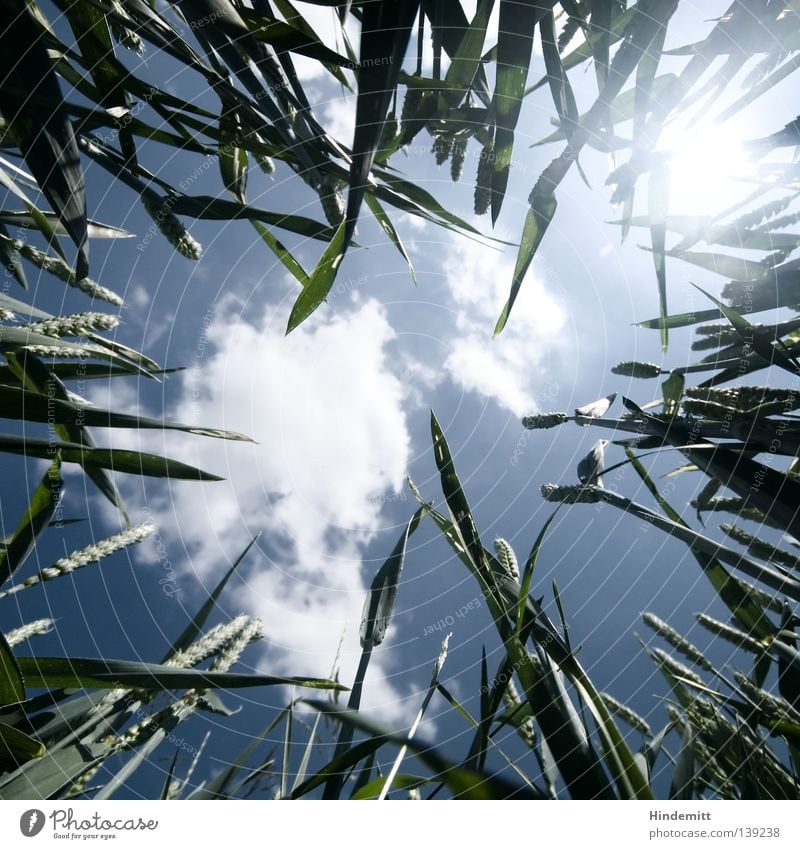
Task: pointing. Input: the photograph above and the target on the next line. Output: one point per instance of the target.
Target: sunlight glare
(706, 168)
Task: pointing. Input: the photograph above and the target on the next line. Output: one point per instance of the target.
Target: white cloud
(327, 412)
(511, 367)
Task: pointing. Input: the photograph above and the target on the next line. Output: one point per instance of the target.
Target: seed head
(79, 324)
(483, 181)
(544, 420)
(507, 558)
(631, 368)
(626, 714)
(441, 149)
(160, 210)
(332, 200)
(457, 157)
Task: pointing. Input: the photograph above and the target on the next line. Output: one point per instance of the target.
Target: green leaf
(518, 20)
(88, 673)
(658, 207)
(560, 88)
(380, 600)
(383, 219)
(683, 776)
(759, 338)
(737, 268)
(95, 229)
(405, 783)
(12, 684)
(385, 30)
(281, 252)
(286, 37)
(39, 123)
(672, 389)
(17, 403)
(600, 28)
(42, 778)
(584, 51)
(42, 506)
(743, 606)
(456, 499)
(118, 460)
(466, 61)
(16, 748)
(465, 784)
(34, 375)
(320, 282)
(684, 319)
(543, 208)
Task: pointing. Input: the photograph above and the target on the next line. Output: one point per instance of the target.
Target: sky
(340, 410)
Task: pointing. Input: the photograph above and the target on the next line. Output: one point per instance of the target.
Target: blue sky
(340, 412)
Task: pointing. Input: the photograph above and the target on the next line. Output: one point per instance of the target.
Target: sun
(708, 167)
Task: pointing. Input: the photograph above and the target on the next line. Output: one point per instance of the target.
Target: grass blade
(320, 282)
(385, 31)
(39, 123)
(42, 506)
(518, 20)
(88, 673)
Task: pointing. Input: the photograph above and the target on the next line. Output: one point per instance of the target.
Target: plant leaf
(88, 673)
(39, 123)
(320, 282)
(380, 600)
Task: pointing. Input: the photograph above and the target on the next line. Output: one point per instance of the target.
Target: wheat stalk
(79, 324)
(90, 554)
(159, 209)
(677, 641)
(30, 629)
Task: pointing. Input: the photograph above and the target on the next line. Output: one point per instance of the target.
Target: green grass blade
(16, 747)
(658, 207)
(464, 784)
(386, 224)
(385, 31)
(88, 673)
(543, 208)
(114, 459)
(380, 600)
(42, 506)
(12, 684)
(29, 406)
(40, 125)
(320, 282)
(44, 777)
(518, 20)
